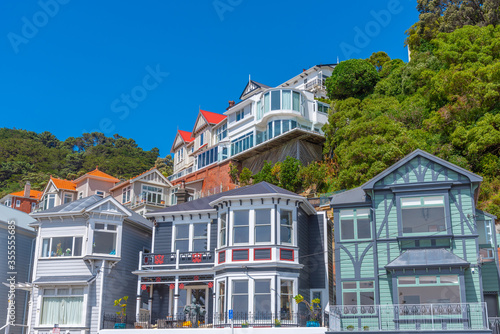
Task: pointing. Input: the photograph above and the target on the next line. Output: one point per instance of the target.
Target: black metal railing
(155, 259)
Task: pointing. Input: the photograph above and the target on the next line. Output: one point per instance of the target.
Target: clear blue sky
(71, 66)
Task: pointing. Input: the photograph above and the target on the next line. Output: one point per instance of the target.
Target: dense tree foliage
(446, 101)
(29, 156)
(352, 78)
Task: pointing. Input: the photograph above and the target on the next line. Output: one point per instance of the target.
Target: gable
(178, 141)
(108, 208)
(154, 176)
(200, 123)
(420, 170)
(250, 87)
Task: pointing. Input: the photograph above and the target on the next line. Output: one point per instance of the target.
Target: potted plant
(244, 324)
(350, 328)
(314, 309)
(366, 328)
(194, 311)
(277, 323)
(122, 303)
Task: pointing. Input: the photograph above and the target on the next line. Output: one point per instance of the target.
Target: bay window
(222, 298)
(61, 246)
(277, 127)
(286, 299)
(240, 226)
(355, 224)
(429, 289)
(263, 225)
(191, 237)
(49, 201)
(126, 195)
(286, 227)
(223, 228)
(152, 194)
(105, 238)
(423, 215)
(221, 132)
(62, 305)
(262, 296)
(240, 298)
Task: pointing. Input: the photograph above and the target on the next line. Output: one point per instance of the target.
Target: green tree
(289, 177)
(378, 59)
(245, 177)
(165, 165)
(352, 78)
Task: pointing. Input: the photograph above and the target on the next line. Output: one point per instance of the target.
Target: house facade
(60, 191)
(249, 250)
(25, 200)
(413, 252)
(145, 192)
(269, 123)
(85, 252)
(17, 240)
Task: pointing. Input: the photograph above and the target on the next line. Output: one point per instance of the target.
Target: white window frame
(80, 195)
(219, 230)
(18, 203)
(8, 203)
(67, 195)
(126, 194)
(33, 206)
(84, 305)
(100, 193)
(40, 254)
(191, 233)
(118, 232)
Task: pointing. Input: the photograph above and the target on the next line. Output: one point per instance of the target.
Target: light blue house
(413, 253)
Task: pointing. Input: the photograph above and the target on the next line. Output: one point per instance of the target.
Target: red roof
(97, 172)
(63, 184)
(186, 136)
(212, 117)
(33, 194)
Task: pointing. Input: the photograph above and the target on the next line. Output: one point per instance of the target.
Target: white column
(138, 300)
(150, 302)
(176, 294)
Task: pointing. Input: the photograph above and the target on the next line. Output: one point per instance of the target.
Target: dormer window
(105, 237)
(423, 215)
(68, 198)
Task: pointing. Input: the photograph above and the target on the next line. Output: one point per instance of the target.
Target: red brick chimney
(27, 189)
(231, 104)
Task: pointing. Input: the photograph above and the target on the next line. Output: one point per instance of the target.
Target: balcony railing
(181, 173)
(143, 199)
(176, 260)
(409, 317)
(316, 82)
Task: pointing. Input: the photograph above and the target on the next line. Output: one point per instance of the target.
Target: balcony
(409, 317)
(144, 200)
(177, 260)
(316, 83)
(181, 173)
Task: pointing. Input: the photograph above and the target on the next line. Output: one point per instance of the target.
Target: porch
(445, 318)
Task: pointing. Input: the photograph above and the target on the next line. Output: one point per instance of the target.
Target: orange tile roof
(213, 118)
(97, 172)
(186, 136)
(33, 194)
(63, 184)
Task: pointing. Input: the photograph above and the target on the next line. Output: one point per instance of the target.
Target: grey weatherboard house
(22, 244)
(413, 253)
(85, 252)
(249, 250)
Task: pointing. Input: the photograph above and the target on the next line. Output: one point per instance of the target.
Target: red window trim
(293, 254)
(270, 254)
(224, 256)
(243, 249)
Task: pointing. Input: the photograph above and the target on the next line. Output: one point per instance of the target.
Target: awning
(20, 286)
(427, 258)
(64, 280)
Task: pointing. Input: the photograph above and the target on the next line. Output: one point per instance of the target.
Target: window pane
(423, 219)
(453, 279)
(200, 245)
(99, 226)
(364, 228)
(45, 248)
(407, 280)
(263, 217)
(77, 291)
(263, 233)
(286, 125)
(286, 301)
(241, 235)
(111, 227)
(62, 246)
(240, 305)
(362, 212)
(296, 101)
(240, 286)
(266, 103)
(262, 304)
(240, 218)
(410, 201)
(182, 245)
(434, 200)
(350, 298)
(182, 231)
(346, 213)
(62, 311)
(78, 247)
(349, 285)
(429, 294)
(63, 292)
(104, 243)
(262, 286)
(275, 100)
(277, 128)
(366, 285)
(427, 279)
(347, 229)
(286, 100)
(200, 230)
(367, 298)
(49, 292)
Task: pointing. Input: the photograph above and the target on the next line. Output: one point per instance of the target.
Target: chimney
(303, 70)
(182, 194)
(231, 104)
(27, 189)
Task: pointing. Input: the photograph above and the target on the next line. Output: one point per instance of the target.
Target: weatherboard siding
(62, 267)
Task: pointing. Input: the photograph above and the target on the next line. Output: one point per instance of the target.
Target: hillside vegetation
(29, 156)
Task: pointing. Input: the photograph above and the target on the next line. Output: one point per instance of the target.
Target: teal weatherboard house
(413, 253)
